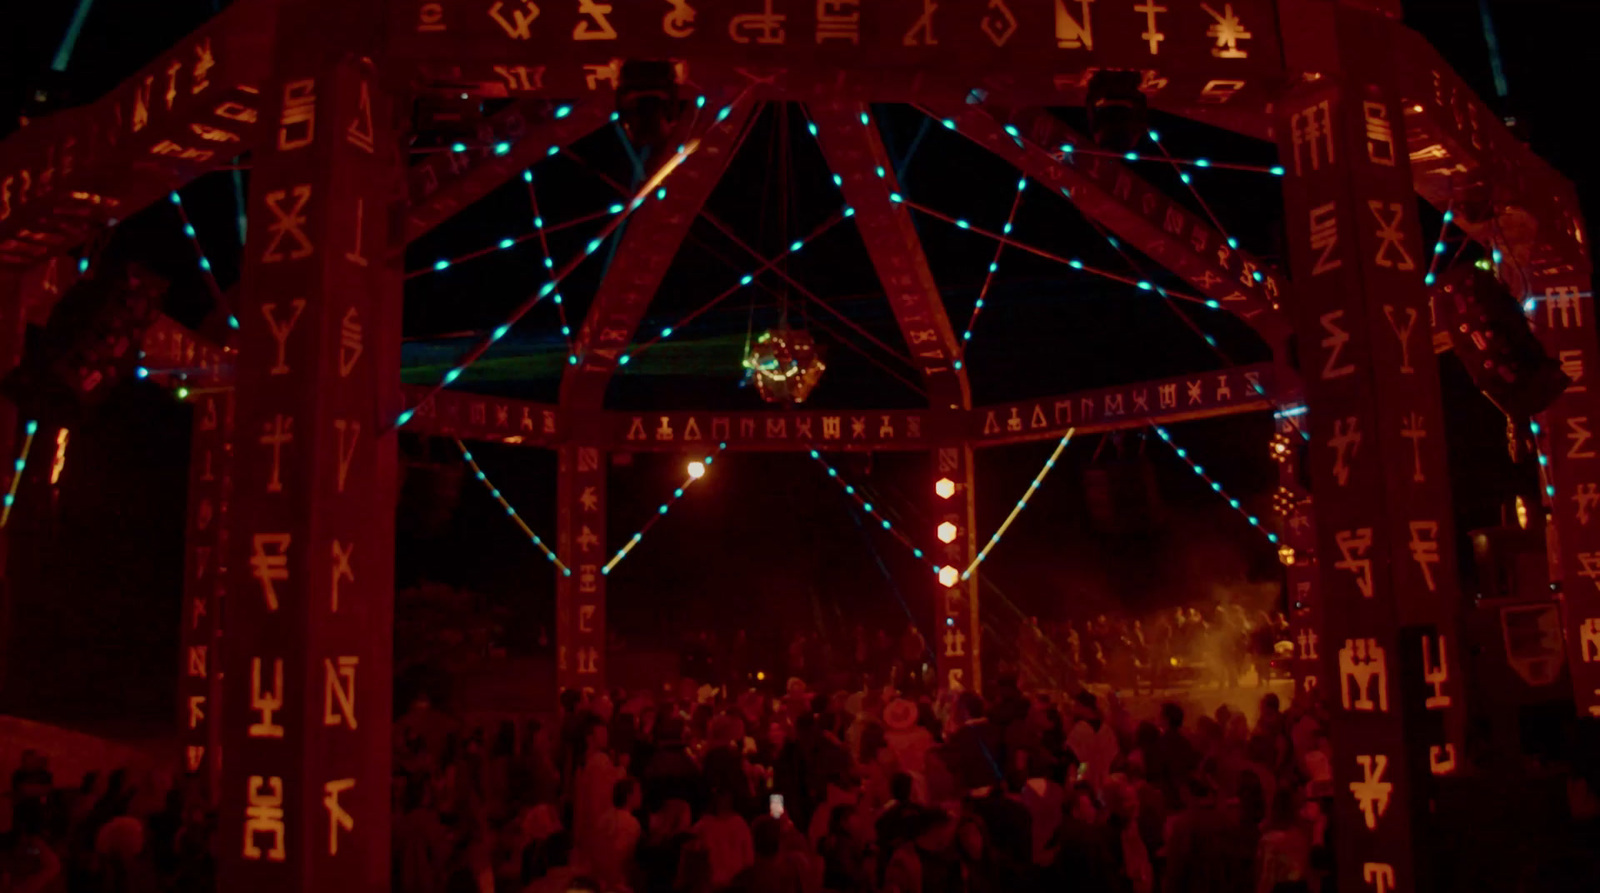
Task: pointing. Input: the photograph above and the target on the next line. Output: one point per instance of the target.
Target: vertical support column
(1297, 532)
(205, 559)
(307, 700)
(1564, 320)
(1385, 553)
(13, 320)
(581, 590)
(958, 639)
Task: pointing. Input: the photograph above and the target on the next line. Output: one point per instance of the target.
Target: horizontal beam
(194, 107)
(1181, 398)
(171, 349)
(834, 430)
(1040, 47)
(510, 142)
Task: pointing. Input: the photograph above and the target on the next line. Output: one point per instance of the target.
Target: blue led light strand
(1076, 264)
(1216, 487)
(200, 258)
(870, 511)
(508, 242)
(18, 467)
(744, 281)
(1166, 158)
(661, 512)
(1022, 503)
(472, 356)
(1188, 182)
(544, 252)
(511, 512)
(1439, 244)
(994, 267)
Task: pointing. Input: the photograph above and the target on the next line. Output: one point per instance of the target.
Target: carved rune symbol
(288, 223)
(1346, 441)
(1389, 236)
(1372, 792)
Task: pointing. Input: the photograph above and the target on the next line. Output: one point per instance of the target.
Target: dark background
(765, 541)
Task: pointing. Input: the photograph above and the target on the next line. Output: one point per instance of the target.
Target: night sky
(765, 539)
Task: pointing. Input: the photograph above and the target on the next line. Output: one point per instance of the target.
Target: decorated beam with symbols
(193, 107)
(1039, 47)
(1037, 142)
(824, 430)
(1181, 398)
(480, 418)
(647, 247)
(513, 140)
(856, 154)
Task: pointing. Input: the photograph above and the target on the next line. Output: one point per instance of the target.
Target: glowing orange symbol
(949, 576)
(945, 487)
(947, 534)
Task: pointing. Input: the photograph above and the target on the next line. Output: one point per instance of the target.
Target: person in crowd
(726, 838)
(1092, 739)
(617, 837)
(846, 851)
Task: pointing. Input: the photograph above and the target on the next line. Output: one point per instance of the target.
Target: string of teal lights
(694, 474)
(200, 257)
(643, 193)
(544, 248)
(511, 512)
(1216, 487)
(18, 467)
(869, 509)
(994, 267)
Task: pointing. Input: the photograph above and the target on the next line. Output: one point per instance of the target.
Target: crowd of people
(865, 790)
(852, 788)
(1177, 647)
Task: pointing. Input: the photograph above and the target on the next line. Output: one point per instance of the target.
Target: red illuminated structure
(292, 493)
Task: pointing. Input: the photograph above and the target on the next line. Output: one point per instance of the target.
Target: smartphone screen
(775, 805)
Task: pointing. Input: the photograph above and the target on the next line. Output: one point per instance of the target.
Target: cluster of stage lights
(1200, 471)
(694, 471)
(511, 512)
(18, 467)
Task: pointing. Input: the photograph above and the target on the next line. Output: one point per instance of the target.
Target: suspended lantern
(785, 364)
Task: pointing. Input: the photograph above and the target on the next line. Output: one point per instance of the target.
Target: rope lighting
(200, 258)
(661, 510)
(16, 478)
(544, 248)
(509, 242)
(1022, 503)
(744, 281)
(1076, 264)
(1439, 243)
(651, 185)
(994, 267)
(511, 511)
(869, 510)
(1200, 471)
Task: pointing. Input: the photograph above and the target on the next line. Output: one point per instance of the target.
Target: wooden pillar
(1384, 529)
(581, 589)
(307, 691)
(204, 577)
(957, 640)
(1297, 530)
(1563, 318)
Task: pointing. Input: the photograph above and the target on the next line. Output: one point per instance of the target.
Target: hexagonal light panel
(947, 532)
(945, 487)
(949, 576)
